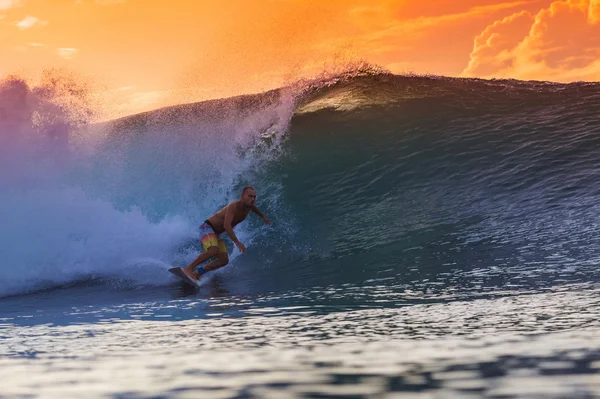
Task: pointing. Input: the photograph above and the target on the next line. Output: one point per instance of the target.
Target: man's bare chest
(240, 216)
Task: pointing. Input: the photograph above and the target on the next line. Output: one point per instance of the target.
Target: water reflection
(215, 287)
(530, 345)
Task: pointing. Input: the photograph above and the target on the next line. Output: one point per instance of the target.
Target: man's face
(249, 197)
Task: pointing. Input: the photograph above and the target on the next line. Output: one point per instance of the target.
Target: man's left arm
(259, 213)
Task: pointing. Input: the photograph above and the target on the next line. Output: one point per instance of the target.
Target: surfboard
(179, 273)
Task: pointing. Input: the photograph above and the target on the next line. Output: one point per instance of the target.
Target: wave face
(431, 185)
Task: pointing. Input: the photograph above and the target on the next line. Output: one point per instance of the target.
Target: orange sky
(142, 54)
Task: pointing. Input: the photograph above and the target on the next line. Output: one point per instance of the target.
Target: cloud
(67, 52)
(594, 12)
(30, 22)
(108, 2)
(8, 4)
(101, 2)
(386, 31)
(400, 27)
(490, 49)
(561, 43)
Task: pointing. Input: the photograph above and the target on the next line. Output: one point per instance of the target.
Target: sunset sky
(143, 54)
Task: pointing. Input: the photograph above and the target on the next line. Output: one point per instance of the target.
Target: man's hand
(267, 221)
(241, 247)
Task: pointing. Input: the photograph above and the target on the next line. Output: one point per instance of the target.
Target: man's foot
(191, 275)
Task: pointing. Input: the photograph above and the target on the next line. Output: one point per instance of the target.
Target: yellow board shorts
(208, 238)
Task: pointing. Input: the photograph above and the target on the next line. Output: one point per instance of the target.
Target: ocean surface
(431, 237)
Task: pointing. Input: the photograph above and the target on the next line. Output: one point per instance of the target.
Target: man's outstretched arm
(259, 213)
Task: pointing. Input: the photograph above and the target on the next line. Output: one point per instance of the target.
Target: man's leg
(209, 253)
(210, 243)
(222, 260)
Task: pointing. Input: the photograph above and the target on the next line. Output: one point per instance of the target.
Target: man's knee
(212, 251)
(223, 259)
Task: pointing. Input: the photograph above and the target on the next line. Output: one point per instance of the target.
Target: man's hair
(246, 189)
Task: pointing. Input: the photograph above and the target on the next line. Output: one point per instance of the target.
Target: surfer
(223, 221)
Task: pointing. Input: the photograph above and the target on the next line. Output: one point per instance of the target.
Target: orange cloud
(388, 28)
(594, 12)
(29, 22)
(561, 44)
(491, 50)
(66, 52)
(7, 4)
(107, 2)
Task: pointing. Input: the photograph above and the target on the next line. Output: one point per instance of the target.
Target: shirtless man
(222, 221)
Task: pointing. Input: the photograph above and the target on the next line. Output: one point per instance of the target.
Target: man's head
(248, 196)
